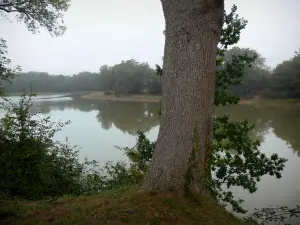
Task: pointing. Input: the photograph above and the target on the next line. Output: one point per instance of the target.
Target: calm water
(98, 126)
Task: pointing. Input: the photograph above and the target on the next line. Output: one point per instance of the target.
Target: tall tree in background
(129, 77)
(256, 77)
(193, 30)
(286, 79)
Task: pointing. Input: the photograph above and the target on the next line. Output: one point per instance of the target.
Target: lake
(98, 126)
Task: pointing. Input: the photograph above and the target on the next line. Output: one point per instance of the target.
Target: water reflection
(45, 107)
(132, 116)
(128, 117)
(284, 123)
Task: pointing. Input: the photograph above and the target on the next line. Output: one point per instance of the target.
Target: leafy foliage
(33, 165)
(140, 156)
(230, 72)
(36, 14)
(237, 161)
(231, 30)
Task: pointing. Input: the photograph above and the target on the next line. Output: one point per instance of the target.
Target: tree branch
(8, 10)
(12, 7)
(12, 4)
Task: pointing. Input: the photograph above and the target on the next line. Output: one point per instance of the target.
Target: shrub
(33, 165)
(120, 174)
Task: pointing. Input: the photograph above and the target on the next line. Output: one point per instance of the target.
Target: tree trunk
(192, 34)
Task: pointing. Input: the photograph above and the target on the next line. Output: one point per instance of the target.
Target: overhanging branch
(12, 6)
(8, 10)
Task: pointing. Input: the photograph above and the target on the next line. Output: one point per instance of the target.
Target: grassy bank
(117, 207)
(139, 98)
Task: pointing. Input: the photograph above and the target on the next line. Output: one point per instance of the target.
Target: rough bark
(192, 34)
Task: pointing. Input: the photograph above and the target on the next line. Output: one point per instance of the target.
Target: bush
(120, 174)
(33, 165)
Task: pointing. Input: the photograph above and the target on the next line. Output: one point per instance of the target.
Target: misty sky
(108, 31)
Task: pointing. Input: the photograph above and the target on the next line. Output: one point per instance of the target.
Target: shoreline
(129, 98)
(143, 97)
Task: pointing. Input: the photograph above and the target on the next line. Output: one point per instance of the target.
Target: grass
(117, 207)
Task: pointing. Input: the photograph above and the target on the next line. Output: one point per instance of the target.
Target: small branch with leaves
(36, 14)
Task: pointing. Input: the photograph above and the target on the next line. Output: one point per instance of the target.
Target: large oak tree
(193, 29)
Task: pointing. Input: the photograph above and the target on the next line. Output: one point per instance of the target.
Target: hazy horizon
(106, 32)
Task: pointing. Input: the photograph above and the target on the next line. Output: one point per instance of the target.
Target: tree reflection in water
(128, 116)
(132, 116)
(283, 122)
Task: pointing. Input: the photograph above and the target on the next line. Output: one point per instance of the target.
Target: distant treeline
(128, 77)
(132, 77)
(260, 80)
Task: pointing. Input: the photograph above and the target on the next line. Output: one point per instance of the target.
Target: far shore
(143, 97)
(128, 98)
(256, 101)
